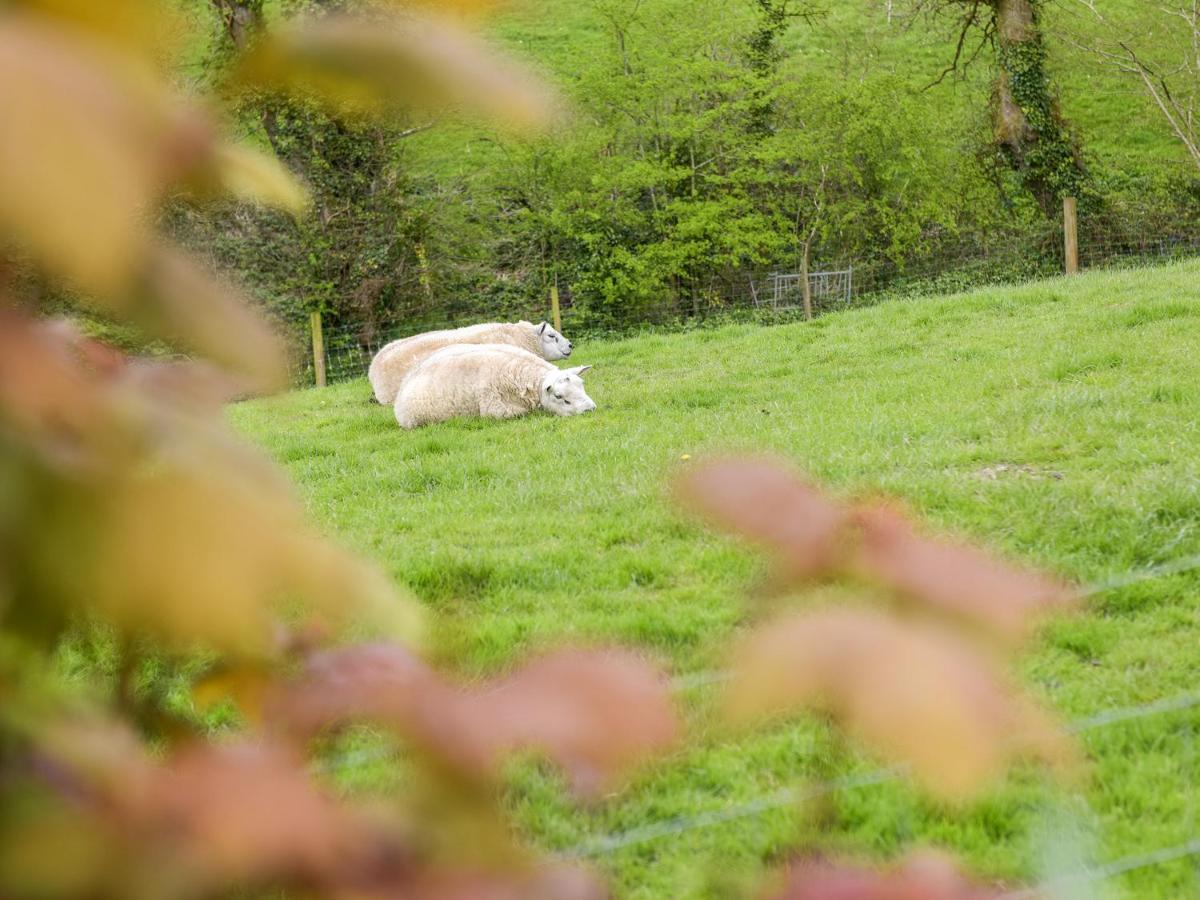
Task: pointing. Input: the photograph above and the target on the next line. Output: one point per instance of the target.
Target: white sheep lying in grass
(396, 360)
(496, 381)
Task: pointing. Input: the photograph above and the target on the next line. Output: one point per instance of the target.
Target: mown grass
(1054, 421)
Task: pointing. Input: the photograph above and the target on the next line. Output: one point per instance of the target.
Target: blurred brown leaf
(594, 713)
(250, 810)
(377, 66)
(547, 882)
(763, 500)
(194, 385)
(211, 814)
(952, 578)
(211, 818)
(926, 876)
(47, 391)
(383, 683)
(915, 693)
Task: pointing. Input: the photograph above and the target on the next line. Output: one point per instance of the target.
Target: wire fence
(791, 797)
(776, 295)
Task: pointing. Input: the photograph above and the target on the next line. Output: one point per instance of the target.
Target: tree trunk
(1029, 134)
(1028, 128)
(244, 21)
(805, 287)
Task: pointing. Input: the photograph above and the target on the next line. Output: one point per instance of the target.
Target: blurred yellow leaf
(201, 558)
(74, 176)
(172, 526)
(259, 177)
(918, 694)
(246, 686)
(378, 67)
(463, 7)
(149, 27)
(182, 302)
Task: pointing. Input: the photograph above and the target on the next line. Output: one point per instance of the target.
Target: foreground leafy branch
(129, 509)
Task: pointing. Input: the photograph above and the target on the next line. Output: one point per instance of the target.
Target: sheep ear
(543, 327)
(578, 370)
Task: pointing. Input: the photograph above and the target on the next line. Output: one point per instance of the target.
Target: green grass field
(524, 533)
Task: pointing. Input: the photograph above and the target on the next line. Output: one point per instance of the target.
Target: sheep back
(392, 364)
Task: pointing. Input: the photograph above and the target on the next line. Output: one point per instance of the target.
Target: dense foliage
(702, 144)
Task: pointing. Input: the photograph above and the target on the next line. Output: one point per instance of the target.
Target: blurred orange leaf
(812, 536)
(246, 686)
(762, 500)
(383, 65)
(915, 693)
(952, 578)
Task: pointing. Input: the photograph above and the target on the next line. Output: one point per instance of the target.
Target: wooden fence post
(554, 311)
(1071, 235)
(805, 287)
(318, 347)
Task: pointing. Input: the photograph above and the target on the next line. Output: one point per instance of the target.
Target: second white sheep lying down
(496, 381)
(396, 360)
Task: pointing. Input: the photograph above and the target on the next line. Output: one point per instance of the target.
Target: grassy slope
(524, 532)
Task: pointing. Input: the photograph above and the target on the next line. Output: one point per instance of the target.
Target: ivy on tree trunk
(1029, 129)
(1030, 134)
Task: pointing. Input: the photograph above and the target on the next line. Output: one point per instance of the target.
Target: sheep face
(563, 393)
(554, 345)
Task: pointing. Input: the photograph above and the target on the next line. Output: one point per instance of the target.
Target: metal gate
(787, 291)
